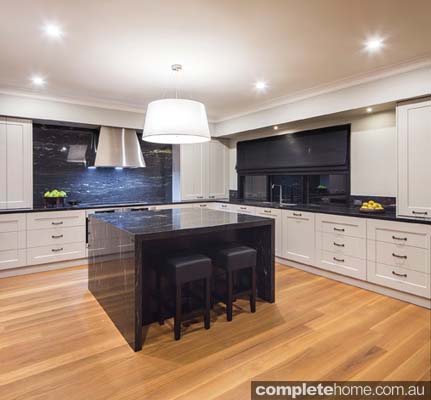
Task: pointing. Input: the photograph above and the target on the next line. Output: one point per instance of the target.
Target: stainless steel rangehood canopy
(118, 147)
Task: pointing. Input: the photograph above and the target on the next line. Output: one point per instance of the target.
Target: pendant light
(176, 120)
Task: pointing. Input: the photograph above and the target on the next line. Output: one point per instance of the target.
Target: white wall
(373, 152)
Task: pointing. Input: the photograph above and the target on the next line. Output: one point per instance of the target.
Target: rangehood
(119, 147)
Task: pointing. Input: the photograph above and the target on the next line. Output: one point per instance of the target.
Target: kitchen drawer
(54, 236)
(342, 264)
(12, 240)
(225, 207)
(13, 258)
(409, 257)
(12, 223)
(265, 212)
(398, 278)
(52, 219)
(213, 206)
(350, 226)
(300, 215)
(61, 252)
(243, 209)
(402, 233)
(342, 244)
(201, 205)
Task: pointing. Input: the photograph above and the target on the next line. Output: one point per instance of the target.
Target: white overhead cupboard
(16, 163)
(201, 171)
(414, 159)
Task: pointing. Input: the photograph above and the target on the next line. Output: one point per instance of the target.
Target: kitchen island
(125, 250)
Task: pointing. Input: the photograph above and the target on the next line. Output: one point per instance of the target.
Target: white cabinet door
(3, 164)
(414, 161)
(276, 215)
(194, 171)
(298, 236)
(19, 163)
(218, 170)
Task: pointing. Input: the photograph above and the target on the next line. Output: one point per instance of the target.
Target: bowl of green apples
(54, 198)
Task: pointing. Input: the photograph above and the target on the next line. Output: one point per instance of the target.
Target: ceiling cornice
(109, 105)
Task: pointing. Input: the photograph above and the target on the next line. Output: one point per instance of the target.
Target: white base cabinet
(276, 215)
(298, 236)
(341, 245)
(12, 241)
(54, 236)
(399, 256)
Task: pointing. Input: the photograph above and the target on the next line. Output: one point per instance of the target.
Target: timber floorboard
(56, 342)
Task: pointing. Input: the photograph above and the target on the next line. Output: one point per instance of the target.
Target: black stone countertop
(150, 223)
(349, 211)
(84, 206)
(335, 209)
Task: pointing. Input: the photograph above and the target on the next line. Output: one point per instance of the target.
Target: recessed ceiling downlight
(373, 45)
(260, 86)
(38, 80)
(52, 30)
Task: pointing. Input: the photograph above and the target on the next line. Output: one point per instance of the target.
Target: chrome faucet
(281, 192)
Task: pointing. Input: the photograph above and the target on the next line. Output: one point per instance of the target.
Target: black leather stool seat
(183, 269)
(188, 268)
(236, 258)
(232, 258)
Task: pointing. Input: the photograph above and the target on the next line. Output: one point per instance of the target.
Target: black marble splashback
(61, 156)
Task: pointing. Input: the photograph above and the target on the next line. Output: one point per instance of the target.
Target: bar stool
(180, 270)
(232, 259)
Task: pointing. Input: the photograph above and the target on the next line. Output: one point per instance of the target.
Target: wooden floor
(57, 343)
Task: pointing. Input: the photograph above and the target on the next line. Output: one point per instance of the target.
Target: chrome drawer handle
(199, 197)
(398, 256)
(55, 250)
(202, 205)
(339, 244)
(267, 211)
(57, 236)
(338, 259)
(339, 229)
(243, 208)
(402, 275)
(57, 223)
(297, 214)
(420, 212)
(212, 197)
(223, 206)
(399, 238)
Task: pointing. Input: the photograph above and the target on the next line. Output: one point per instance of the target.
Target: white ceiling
(120, 52)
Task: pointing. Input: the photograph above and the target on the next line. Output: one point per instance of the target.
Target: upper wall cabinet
(218, 162)
(202, 171)
(414, 161)
(16, 165)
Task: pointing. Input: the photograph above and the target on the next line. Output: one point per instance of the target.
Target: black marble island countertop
(182, 220)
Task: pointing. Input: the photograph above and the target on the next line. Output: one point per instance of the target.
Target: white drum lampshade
(176, 121)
